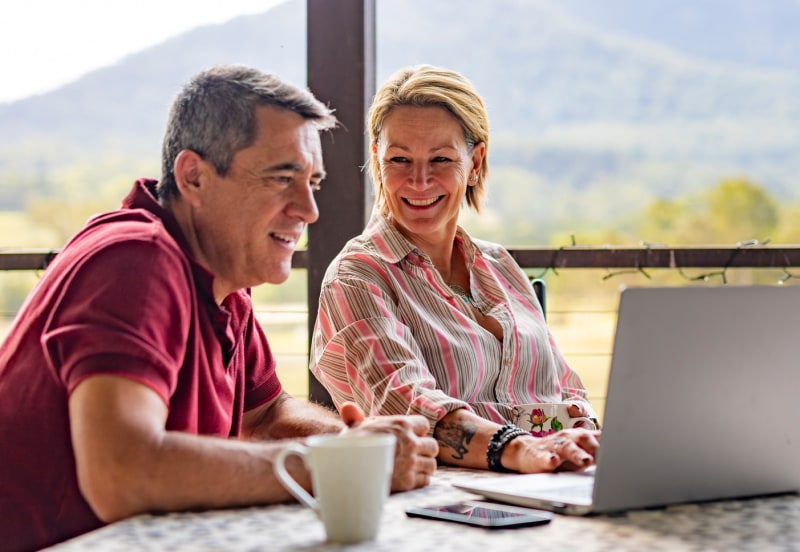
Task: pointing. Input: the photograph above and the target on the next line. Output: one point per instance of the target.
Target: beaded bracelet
(498, 443)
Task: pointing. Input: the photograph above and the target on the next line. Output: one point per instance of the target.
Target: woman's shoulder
(358, 259)
(499, 257)
(490, 249)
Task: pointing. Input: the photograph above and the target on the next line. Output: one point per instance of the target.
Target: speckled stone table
(761, 524)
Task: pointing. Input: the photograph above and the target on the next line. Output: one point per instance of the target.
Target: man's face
(250, 219)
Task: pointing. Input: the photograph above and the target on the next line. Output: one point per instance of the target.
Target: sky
(45, 44)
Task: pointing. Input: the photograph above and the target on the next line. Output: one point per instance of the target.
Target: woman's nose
(419, 174)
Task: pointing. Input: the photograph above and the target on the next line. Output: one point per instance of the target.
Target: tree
(741, 210)
(735, 210)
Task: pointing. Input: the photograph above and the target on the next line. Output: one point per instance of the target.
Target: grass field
(584, 337)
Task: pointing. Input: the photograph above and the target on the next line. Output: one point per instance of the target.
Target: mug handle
(517, 414)
(293, 449)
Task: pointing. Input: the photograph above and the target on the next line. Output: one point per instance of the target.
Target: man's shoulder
(122, 220)
(123, 232)
(125, 225)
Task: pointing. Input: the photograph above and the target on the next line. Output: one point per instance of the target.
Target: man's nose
(304, 205)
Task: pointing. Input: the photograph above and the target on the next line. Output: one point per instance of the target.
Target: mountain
(593, 105)
(124, 107)
(602, 122)
(760, 33)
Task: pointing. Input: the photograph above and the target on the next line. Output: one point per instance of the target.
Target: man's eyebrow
(294, 167)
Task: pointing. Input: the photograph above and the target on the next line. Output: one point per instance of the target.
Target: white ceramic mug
(351, 476)
(545, 418)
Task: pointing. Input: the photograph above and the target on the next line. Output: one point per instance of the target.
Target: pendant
(465, 296)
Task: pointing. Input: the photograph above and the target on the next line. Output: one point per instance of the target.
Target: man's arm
(128, 463)
(464, 437)
(284, 417)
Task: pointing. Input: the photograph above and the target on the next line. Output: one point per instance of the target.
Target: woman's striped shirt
(393, 337)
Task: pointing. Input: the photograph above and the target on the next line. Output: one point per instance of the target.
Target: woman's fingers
(570, 449)
(576, 447)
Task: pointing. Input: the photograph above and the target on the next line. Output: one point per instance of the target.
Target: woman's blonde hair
(424, 86)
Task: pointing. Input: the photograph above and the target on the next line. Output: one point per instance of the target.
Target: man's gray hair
(214, 116)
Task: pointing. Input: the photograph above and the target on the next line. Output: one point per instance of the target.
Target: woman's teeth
(422, 202)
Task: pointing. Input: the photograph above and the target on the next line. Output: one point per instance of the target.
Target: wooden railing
(745, 255)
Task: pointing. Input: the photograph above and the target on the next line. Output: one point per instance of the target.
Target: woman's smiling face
(425, 167)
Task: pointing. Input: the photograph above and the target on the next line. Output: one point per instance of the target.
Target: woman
(416, 316)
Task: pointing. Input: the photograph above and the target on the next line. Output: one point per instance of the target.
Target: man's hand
(415, 453)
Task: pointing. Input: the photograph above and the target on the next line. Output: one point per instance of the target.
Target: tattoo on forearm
(455, 436)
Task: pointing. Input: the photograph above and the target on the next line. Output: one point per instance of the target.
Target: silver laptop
(702, 404)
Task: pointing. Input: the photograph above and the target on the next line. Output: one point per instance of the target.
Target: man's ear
(189, 173)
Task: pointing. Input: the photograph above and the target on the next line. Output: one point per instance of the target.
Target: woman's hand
(579, 410)
(567, 450)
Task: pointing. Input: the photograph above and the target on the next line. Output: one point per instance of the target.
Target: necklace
(464, 294)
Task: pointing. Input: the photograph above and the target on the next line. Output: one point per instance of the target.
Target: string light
(721, 273)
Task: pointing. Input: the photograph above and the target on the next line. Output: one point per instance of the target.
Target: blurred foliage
(79, 191)
(788, 230)
(14, 287)
(735, 210)
(293, 290)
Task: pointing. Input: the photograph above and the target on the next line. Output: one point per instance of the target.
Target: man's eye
(315, 186)
(283, 180)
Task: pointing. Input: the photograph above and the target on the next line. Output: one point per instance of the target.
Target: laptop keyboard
(574, 492)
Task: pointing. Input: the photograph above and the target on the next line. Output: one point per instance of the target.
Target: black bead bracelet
(498, 443)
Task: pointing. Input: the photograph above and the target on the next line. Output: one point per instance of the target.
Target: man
(135, 377)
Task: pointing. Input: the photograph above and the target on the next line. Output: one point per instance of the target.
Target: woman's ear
(189, 173)
(373, 150)
(477, 155)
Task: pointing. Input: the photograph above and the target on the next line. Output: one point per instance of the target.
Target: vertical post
(341, 73)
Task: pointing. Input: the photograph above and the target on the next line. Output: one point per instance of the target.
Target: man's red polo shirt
(123, 297)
